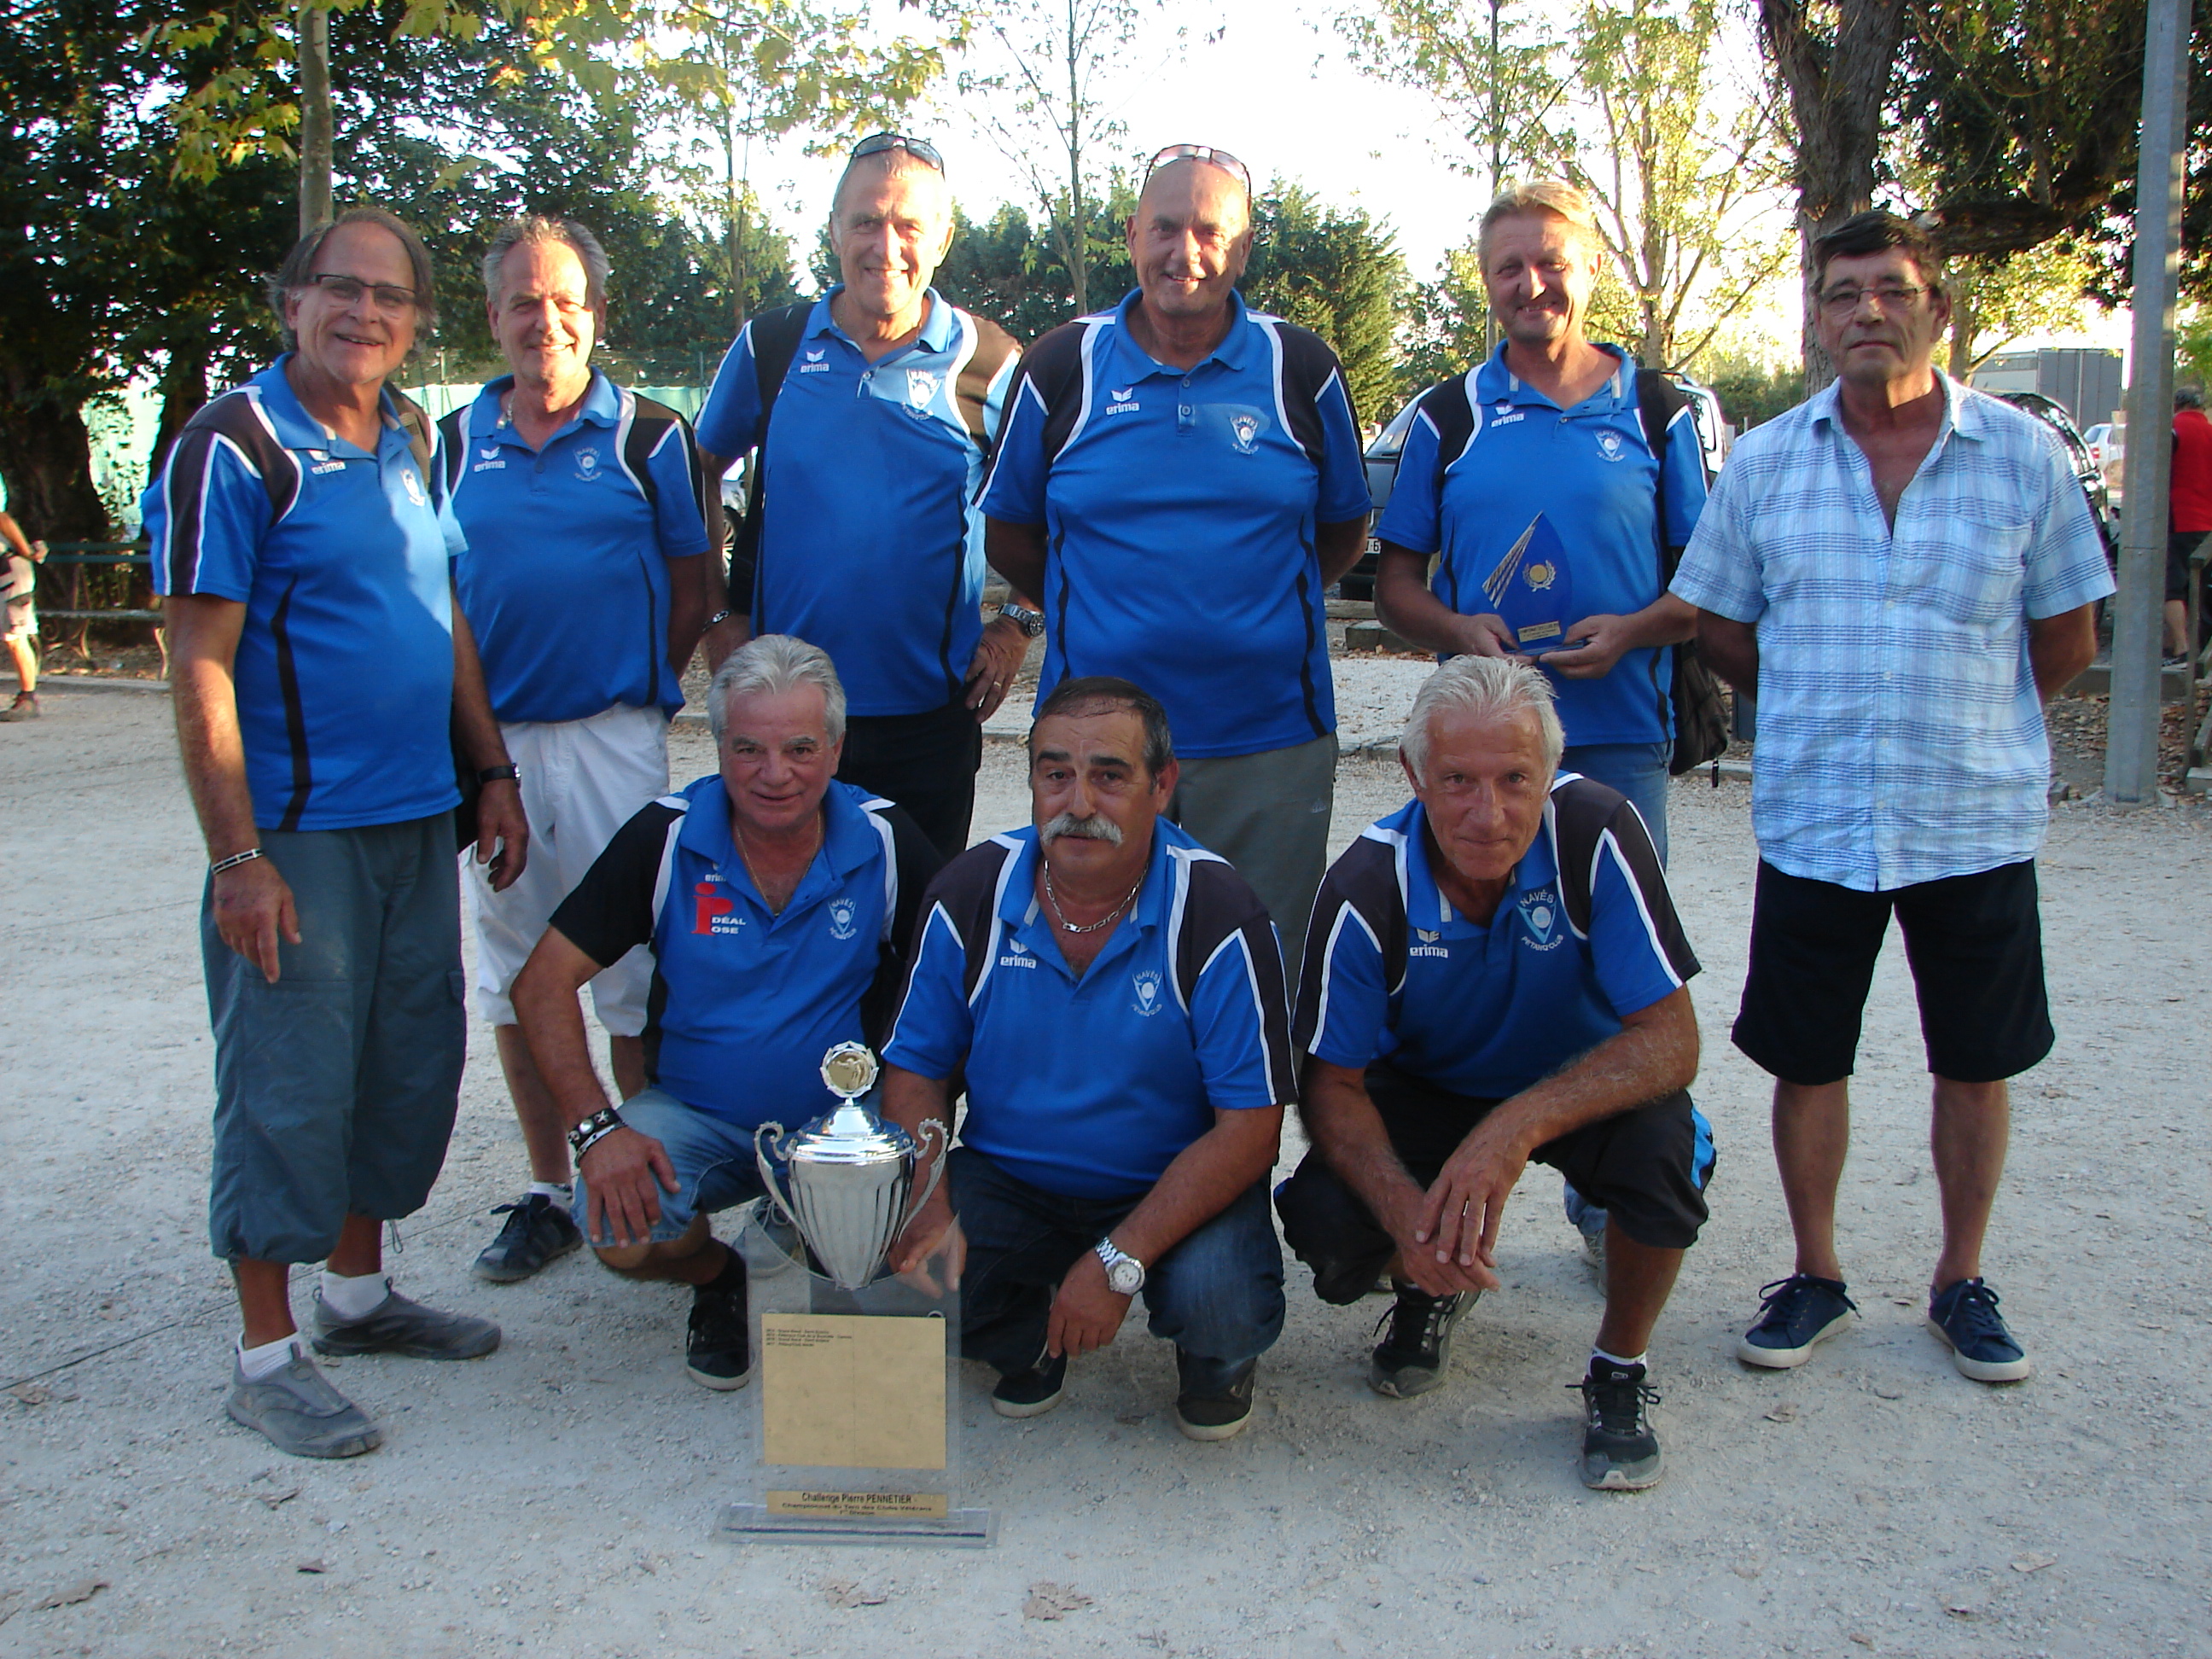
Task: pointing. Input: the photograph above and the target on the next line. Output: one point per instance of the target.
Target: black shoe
(1034, 1392)
(538, 1230)
(1216, 1399)
(718, 1348)
(1619, 1451)
(1796, 1313)
(1411, 1359)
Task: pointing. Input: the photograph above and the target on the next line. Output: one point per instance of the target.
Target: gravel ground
(558, 1496)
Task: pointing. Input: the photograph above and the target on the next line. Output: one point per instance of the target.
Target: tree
(1339, 273)
(1998, 298)
(1041, 80)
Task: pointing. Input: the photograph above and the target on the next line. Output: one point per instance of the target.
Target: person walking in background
(24, 558)
(2190, 504)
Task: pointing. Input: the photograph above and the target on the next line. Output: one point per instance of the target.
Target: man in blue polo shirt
(775, 901)
(584, 580)
(322, 682)
(1181, 479)
(1497, 974)
(881, 402)
(1112, 994)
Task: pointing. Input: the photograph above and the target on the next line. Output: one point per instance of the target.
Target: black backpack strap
(415, 422)
(774, 336)
(1658, 401)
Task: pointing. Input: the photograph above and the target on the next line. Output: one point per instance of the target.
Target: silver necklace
(738, 835)
(1060, 916)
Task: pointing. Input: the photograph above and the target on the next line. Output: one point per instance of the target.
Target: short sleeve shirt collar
(938, 324)
(849, 842)
(297, 429)
(602, 407)
(1020, 909)
(1427, 907)
(1497, 384)
(1230, 353)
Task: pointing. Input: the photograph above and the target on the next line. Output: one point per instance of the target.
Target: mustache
(1096, 827)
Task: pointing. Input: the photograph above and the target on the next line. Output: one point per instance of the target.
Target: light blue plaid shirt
(1900, 737)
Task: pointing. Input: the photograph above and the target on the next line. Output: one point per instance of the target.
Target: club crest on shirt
(587, 465)
(413, 486)
(1150, 990)
(921, 386)
(1242, 430)
(1609, 445)
(1540, 915)
(843, 915)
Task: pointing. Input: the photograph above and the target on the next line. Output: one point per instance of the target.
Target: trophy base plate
(958, 1528)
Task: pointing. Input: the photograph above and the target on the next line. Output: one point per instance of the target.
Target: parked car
(1381, 456)
(2108, 449)
(2086, 470)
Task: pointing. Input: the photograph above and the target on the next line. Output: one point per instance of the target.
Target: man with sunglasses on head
(870, 414)
(1903, 570)
(1181, 479)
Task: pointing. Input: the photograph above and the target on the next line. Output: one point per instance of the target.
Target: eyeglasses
(391, 298)
(1220, 158)
(1841, 302)
(920, 148)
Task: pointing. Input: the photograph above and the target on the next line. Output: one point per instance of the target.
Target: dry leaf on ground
(1049, 1600)
(83, 1591)
(844, 1592)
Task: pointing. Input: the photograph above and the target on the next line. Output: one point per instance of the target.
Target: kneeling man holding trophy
(1112, 993)
(774, 900)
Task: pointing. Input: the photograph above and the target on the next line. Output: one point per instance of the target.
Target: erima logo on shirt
(1122, 400)
(712, 913)
(1018, 955)
(493, 460)
(324, 461)
(1428, 945)
(814, 365)
(1150, 993)
(1508, 420)
(841, 914)
(1540, 914)
(1609, 444)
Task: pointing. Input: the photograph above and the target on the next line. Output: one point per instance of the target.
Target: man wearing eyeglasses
(584, 579)
(1904, 570)
(1181, 479)
(870, 413)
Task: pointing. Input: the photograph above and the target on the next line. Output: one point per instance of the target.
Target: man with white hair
(871, 414)
(776, 901)
(585, 579)
(1495, 974)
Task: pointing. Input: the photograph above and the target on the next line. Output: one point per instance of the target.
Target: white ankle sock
(1615, 1359)
(559, 1191)
(354, 1298)
(254, 1364)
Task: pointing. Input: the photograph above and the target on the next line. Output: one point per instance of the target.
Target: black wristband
(493, 773)
(594, 1129)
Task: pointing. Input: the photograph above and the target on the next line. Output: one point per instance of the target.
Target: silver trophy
(850, 1173)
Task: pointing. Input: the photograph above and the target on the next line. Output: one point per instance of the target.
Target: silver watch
(1125, 1274)
(1031, 622)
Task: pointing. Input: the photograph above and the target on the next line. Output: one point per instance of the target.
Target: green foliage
(1751, 393)
(1339, 273)
(1491, 71)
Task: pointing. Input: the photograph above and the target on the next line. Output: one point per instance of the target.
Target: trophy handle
(766, 1139)
(931, 1126)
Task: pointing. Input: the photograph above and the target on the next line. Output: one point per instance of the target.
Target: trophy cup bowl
(850, 1173)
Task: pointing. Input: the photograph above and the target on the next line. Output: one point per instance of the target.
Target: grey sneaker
(297, 1411)
(399, 1326)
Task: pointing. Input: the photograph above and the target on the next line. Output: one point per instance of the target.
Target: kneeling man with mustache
(1112, 994)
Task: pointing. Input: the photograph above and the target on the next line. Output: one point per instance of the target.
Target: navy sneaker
(1215, 1402)
(1965, 1319)
(1034, 1392)
(1620, 1452)
(1795, 1314)
(538, 1231)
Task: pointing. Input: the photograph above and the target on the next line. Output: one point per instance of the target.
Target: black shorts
(1976, 946)
(925, 763)
(2179, 544)
(1647, 1168)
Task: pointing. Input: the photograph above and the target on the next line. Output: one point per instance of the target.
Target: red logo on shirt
(710, 905)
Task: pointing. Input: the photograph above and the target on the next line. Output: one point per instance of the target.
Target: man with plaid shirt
(1904, 570)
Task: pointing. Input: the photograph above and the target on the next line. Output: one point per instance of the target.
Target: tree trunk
(1836, 85)
(314, 32)
(1078, 263)
(1965, 325)
(184, 390)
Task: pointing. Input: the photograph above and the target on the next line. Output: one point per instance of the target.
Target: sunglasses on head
(1220, 158)
(876, 144)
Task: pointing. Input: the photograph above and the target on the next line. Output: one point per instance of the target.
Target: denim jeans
(1218, 1295)
(1638, 771)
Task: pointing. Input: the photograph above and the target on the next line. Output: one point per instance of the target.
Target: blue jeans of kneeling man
(1218, 1295)
(713, 1157)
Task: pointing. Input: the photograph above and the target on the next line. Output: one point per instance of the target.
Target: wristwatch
(1031, 622)
(1125, 1274)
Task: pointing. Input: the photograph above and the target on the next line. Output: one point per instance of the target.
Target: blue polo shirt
(1181, 508)
(344, 673)
(1091, 1087)
(744, 1001)
(1394, 972)
(1589, 474)
(869, 548)
(565, 580)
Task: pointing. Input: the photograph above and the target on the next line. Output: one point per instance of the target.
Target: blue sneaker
(1795, 1314)
(1965, 1319)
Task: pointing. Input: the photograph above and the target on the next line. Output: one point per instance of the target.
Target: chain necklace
(1060, 916)
(738, 836)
